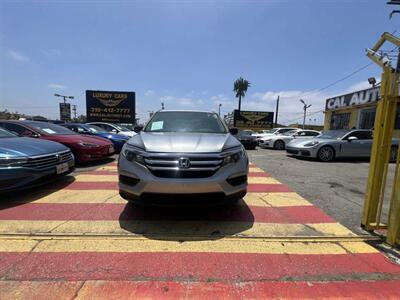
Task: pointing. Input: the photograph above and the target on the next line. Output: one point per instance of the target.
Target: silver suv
(182, 157)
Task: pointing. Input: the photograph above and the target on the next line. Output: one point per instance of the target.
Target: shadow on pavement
(39, 191)
(186, 223)
(353, 160)
(96, 163)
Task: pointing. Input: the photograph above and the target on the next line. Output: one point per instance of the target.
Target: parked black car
(247, 139)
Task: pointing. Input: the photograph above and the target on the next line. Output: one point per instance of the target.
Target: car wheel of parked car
(393, 154)
(279, 145)
(326, 153)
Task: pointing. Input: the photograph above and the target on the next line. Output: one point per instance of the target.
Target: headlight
(12, 162)
(311, 144)
(88, 145)
(233, 156)
(267, 140)
(134, 154)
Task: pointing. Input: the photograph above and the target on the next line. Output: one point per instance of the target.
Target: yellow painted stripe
(72, 196)
(110, 196)
(165, 228)
(275, 199)
(262, 180)
(210, 246)
(96, 178)
(255, 170)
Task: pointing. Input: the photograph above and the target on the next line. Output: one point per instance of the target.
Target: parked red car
(84, 147)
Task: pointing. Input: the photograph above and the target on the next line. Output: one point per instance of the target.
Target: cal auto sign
(352, 99)
(110, 106)
(253, 119)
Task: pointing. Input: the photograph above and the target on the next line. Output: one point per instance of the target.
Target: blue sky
(186, 53)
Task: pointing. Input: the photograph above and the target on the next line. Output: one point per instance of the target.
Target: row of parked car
(31, 151)
(325, 146)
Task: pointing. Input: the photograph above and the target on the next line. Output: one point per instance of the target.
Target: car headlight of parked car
(88, 145)
(311, 144)
(233, 156)
(12, 162)
(134, 154)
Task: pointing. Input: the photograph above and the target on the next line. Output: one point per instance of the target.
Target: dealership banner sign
(352, 99)
(253, 119)
(65, 112)
(110, 106)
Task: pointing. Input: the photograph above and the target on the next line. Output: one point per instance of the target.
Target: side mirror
(138, 128)
(352, 138)
(233, 130)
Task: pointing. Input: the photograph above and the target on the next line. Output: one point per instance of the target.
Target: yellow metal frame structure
(380, 155)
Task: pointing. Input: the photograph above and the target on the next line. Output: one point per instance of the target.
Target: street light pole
(219, 109)
(64, 97)
(305, 112)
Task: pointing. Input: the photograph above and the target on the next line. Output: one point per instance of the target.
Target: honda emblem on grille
(184, 162)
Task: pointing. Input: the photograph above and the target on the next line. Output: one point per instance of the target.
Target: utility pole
(74, 110)
(219, 109)
(276, 112)
(64, 97)
(305, 107)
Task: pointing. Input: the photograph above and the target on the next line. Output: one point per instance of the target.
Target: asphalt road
(338, 188)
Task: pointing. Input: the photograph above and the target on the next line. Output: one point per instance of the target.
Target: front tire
(279, 145)
(326, 153)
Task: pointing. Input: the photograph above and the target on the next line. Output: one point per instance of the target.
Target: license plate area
(62, 168)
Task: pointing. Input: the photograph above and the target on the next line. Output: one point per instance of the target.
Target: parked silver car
(337, 143)
(279, 141)
(183, 156)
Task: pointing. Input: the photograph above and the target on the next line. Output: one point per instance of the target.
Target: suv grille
(195, 165)
(47, 161)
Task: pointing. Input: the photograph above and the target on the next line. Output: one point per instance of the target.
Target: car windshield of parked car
(49, 128)
(94, 129)
(195, 122)
(6, 134)
(332, 134)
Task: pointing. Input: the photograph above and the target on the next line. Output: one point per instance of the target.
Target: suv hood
(24, 146)
(180, 142)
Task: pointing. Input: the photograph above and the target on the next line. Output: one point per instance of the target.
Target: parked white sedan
(279, 141)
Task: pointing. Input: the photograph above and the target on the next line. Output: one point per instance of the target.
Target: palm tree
(240, 87)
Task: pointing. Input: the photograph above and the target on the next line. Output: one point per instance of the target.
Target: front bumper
(92, 154)
(19, 178)
(265, 144)
(302, 151)
(143, 183)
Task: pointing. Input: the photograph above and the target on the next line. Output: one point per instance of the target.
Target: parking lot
(338, 187)
(77, 238)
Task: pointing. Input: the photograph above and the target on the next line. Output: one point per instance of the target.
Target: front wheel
(279, 145)
(393, 154)
(326, 154)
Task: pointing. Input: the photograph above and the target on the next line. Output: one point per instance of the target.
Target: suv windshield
(6, 134)
(49, 128)
(196, 122)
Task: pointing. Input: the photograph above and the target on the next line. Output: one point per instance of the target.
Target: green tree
(240, 87)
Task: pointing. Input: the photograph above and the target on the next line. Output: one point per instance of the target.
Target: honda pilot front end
(183, 157)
